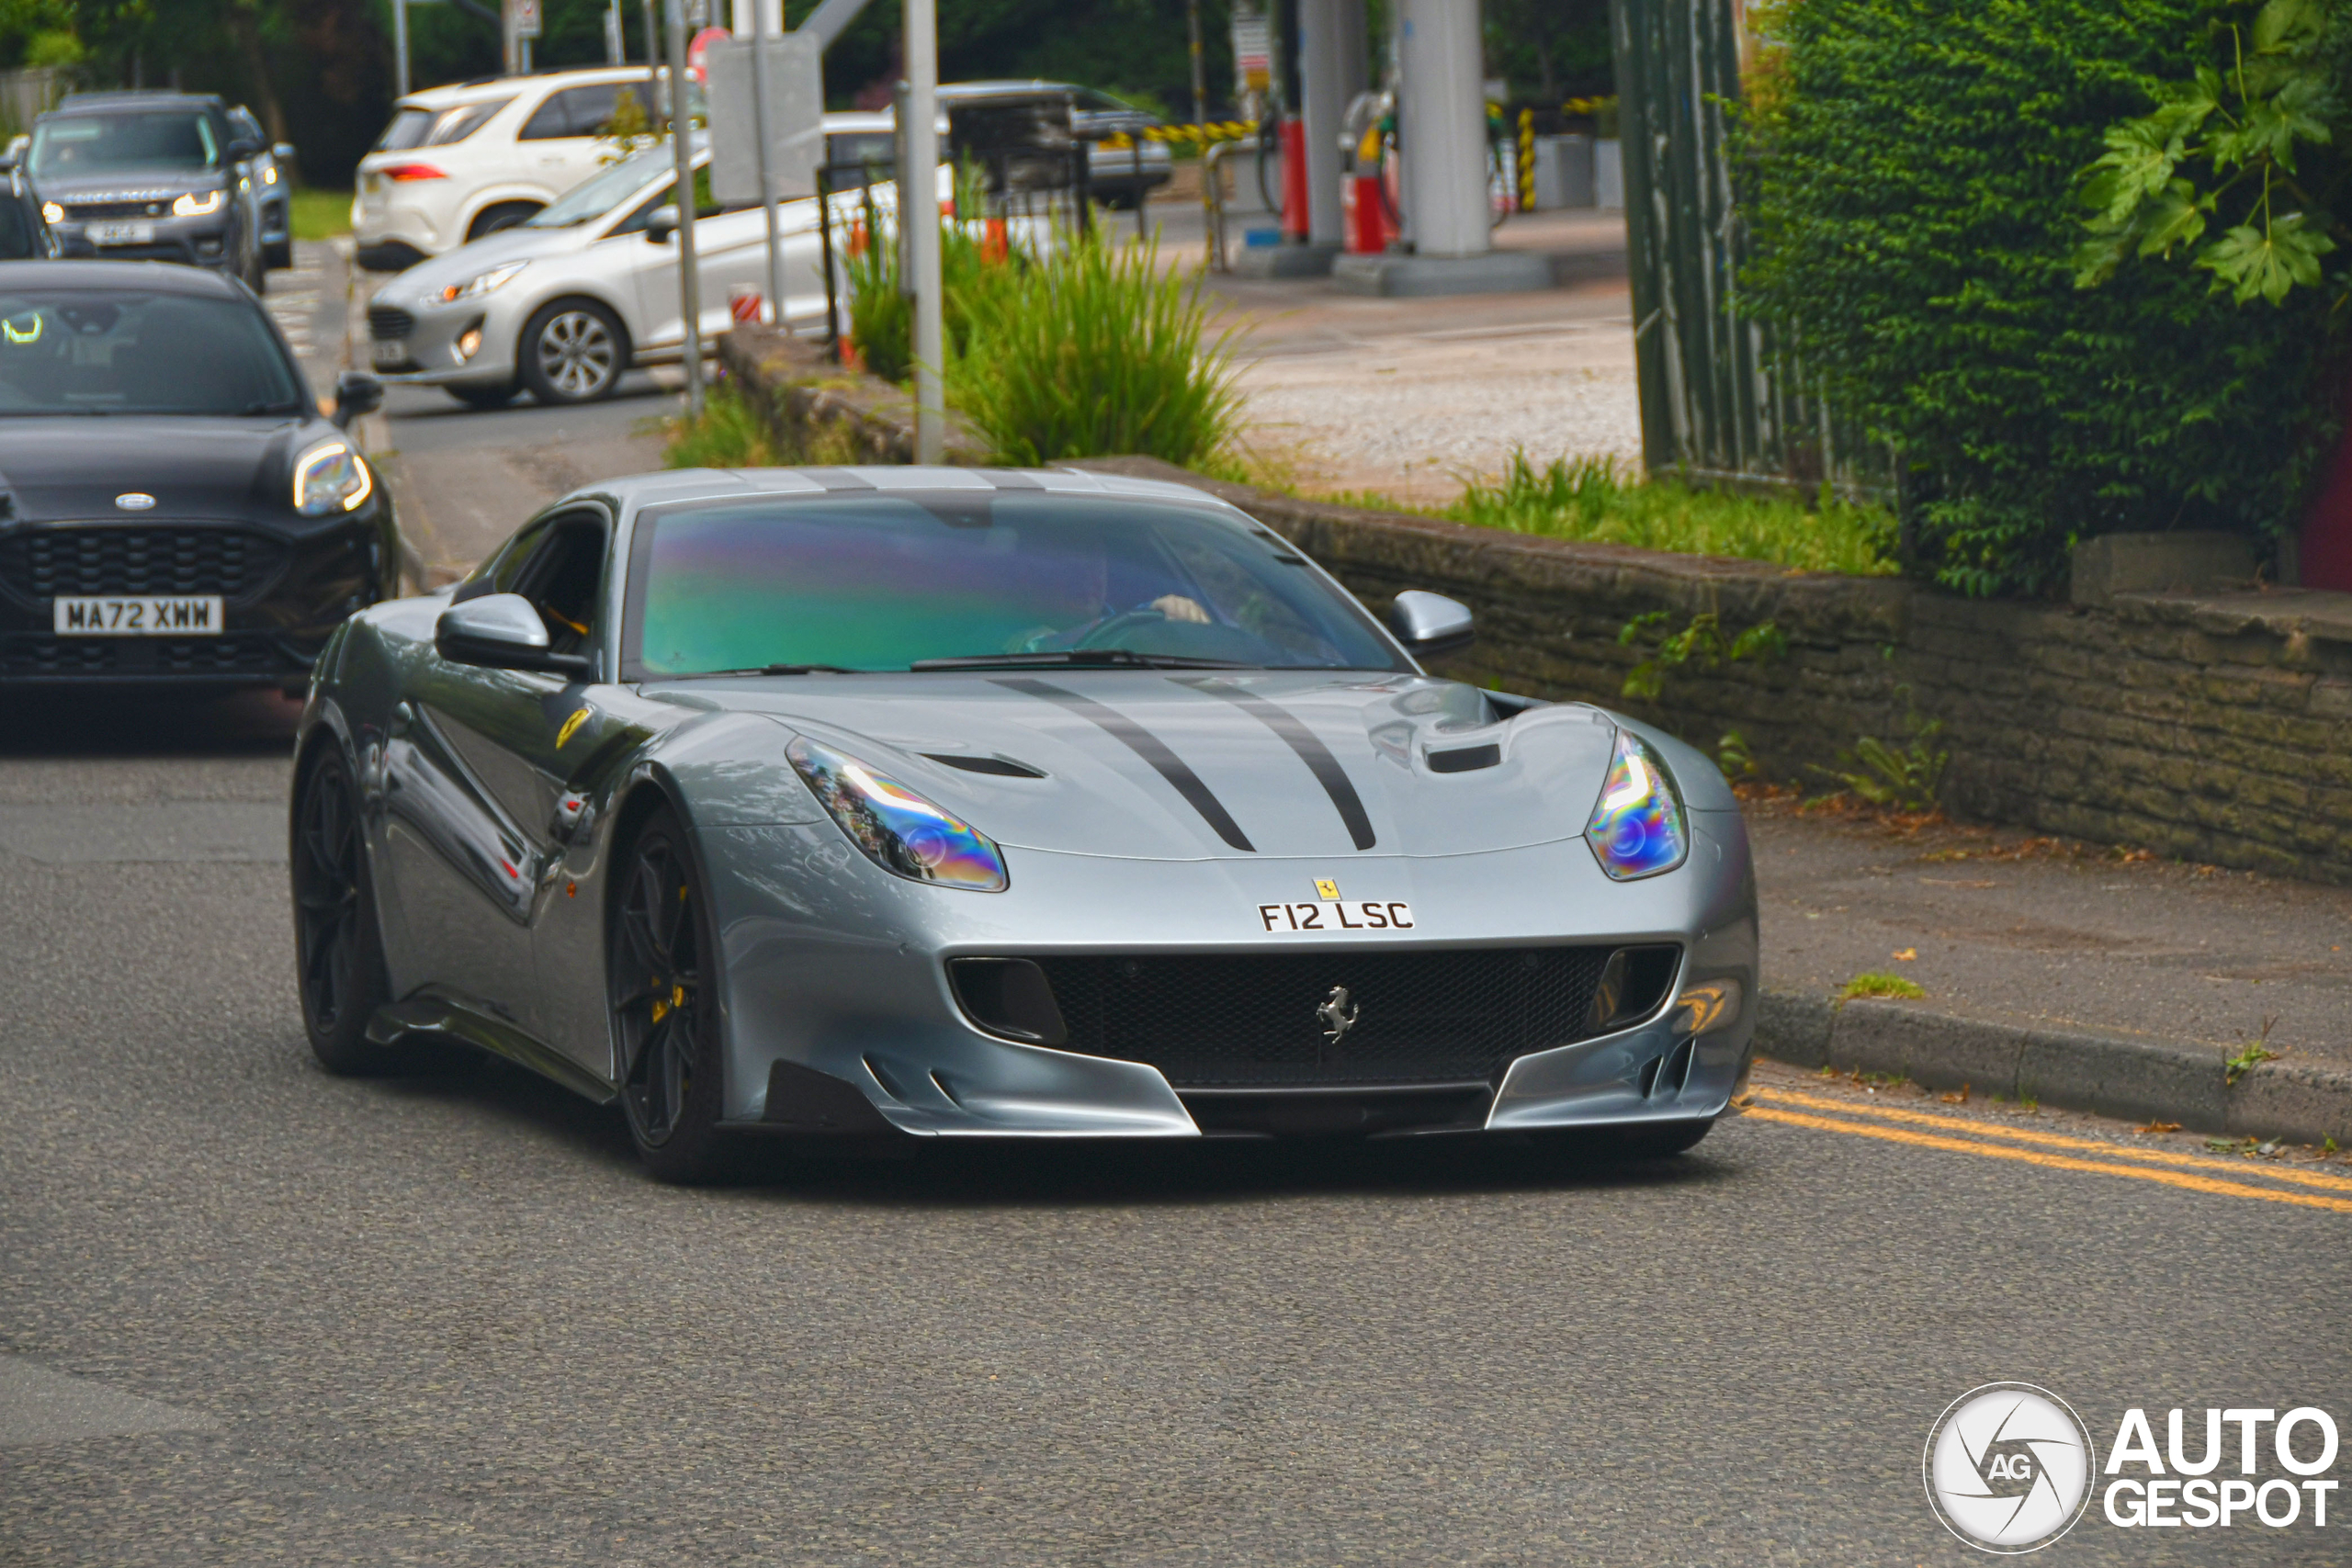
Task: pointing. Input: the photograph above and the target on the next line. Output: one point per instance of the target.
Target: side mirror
(243, 147)
(283, 151)
(1429, 623)
(356, 392)
(503, 631)
(662, 224)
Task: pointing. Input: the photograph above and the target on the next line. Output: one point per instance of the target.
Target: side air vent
(1466, 759)
(1008, 996)
(1663, 1077)
(1001, 767)
(1632, 984)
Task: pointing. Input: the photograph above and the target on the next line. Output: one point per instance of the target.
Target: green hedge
(1912, 164)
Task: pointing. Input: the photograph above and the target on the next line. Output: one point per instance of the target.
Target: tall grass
(1094, 351)
(881, 318)
(1595, 499)
(730, 435)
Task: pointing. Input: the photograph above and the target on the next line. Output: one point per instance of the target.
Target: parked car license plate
(137, 616)
(122, 234)
(391, 354)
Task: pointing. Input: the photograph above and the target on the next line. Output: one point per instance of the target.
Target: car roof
(456, 93)
(96, 103)
(126, 276)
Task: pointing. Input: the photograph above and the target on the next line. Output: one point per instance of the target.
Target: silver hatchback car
(565, 302)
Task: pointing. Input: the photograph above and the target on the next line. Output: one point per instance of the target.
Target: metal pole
(1200, 71)
(616, 53)
(767, 186)
(655, 102)
(1136, 138)
(825, 253)
(682, 137)
(400, 49)
(919, 209)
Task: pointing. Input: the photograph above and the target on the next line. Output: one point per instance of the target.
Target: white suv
(458, 162)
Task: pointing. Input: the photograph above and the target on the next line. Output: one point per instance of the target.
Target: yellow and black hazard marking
(2265, 1180)
(1216, 130)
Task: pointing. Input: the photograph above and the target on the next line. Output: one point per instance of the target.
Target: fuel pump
(1368, 207)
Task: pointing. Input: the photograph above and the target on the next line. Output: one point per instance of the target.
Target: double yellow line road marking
(1991, 1141)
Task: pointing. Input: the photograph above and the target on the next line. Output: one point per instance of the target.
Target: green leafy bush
(1091, 351)
(1594, 499)
(1912, 166)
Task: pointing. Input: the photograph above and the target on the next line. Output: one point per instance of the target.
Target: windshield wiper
(783, 670)
(1080, 658)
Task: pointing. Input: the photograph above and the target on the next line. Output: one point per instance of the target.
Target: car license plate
(137, 616)
(391, 353)
(1335, 915)
(122, 234)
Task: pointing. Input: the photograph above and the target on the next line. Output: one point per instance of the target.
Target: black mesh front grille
(56, 656)
(386, 323)
(1252, 1020)
(43, 563)
(237, 654)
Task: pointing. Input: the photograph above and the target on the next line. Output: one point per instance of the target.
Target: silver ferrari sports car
(859, 805)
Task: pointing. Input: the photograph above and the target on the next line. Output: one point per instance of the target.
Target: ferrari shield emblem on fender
(1325, 890)
(570, 726)
(1339, 1014)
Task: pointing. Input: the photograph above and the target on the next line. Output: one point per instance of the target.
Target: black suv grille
(387, 322)
(41, 563)
(1250, 1021)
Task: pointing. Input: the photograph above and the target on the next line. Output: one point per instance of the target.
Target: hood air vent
(1000, 767)
(1466, 759)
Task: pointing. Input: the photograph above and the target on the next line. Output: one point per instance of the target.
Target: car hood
(1180, 765)
(427, 278)
(129, 185)
(73, 468)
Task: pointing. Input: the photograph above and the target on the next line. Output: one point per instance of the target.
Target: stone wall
(824, 412)
(2213, 727)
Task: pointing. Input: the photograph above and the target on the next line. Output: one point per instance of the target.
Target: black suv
(149, 176)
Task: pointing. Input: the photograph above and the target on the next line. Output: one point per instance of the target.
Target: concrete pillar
(1355, 52)
(769, 15)
(1443, 126)
(1322, 84)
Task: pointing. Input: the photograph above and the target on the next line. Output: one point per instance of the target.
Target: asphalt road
(250, 1313)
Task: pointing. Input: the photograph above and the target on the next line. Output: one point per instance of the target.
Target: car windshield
(90, 351)
(73, 145)
(882, 582)
(602, 192)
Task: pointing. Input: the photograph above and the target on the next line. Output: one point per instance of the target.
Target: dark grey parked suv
(149, 176)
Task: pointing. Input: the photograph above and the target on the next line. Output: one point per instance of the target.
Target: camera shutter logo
(2008, 1467)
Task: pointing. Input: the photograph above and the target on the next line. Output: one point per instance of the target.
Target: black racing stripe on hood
(1150, 747)
(1303, 740)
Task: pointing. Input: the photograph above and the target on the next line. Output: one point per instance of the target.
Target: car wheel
(662, 973)
(256, 273)
(498, 215)
(484, 397)
(573, 352)
(280, 254)
(338, 954)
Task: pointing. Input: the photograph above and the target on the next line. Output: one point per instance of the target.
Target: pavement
(255, 1314)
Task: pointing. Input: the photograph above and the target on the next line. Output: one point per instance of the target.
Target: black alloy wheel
(339, 958)
(662, 971)
(573, 352)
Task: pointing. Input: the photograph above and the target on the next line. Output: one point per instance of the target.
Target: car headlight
(1637, 828)
(194, 205)
(331, 477)
(899, 830)
(51, 214)
(482, 283)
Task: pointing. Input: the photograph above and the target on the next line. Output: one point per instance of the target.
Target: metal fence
(1720, 401)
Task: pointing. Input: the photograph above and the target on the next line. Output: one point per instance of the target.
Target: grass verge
(1877, 983)
(319, 214)
(1599, 500)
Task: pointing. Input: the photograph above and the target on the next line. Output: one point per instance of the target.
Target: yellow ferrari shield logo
(1325, 888)
(569, 726)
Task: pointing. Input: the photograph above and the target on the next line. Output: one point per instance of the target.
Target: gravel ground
(1417, 432)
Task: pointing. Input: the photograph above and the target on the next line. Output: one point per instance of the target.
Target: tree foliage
(2252, 144)
(1912, 174)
